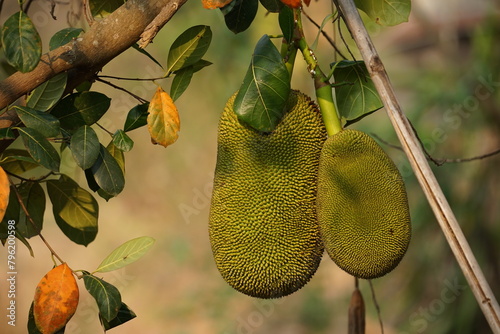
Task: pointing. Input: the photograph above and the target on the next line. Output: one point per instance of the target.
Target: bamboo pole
(420, 166)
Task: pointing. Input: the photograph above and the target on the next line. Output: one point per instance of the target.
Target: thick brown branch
(83, 57)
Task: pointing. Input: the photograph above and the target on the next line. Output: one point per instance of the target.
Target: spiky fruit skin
(263, 228)
(362, 206)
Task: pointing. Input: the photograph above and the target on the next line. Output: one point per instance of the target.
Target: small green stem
(288, 53)
(322, 85)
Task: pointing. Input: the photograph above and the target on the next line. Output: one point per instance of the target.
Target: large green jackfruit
(263, 228)
(362, 206)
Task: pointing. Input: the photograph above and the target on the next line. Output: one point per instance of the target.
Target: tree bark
(83, 57)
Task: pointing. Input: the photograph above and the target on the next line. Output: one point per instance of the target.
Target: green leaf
(125, 254)
(356, 94)
(189, 47)
(287, 23)
(91, 180)
(200, 64)
(7, 134)
(104, 7)
(11, 213)
(75, 210)
(46, 124)
(136, 117)
(241, 14)
(274, 6)
(106, 295)
(386, 12)
(147, 54)
(17, 161)
(64, 36)
(48, 93)
(34, 200)
(107, 173)
(122, 141)
(117, 154)
(81, 109)
(265, 89)
(40, 149)
(85, 146)
(21, 42)
(124, 314)
(180, 82)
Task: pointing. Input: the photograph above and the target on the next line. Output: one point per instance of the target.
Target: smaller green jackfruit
(362, 206)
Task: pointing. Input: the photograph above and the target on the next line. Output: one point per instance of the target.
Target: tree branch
(86, 55)
(425, 176)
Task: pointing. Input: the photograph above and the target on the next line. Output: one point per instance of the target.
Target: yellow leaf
(163, 119)
(56, 299)
(4, 192)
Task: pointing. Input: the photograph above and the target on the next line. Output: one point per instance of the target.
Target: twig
(104, 129)
(28, 5)
(21, 203)
(445, 216)
(377, 307)
(41, 178)
(130, 79)
(52, 9)
(442, 161)
(140, 99)
(88, 13)
(325, 35)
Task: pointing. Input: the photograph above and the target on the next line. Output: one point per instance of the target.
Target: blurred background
(445, 66)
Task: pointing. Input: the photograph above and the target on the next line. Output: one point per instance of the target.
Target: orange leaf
(292, 3)
(163, 119)
(56, 299)
(4, 192)
(213, 4)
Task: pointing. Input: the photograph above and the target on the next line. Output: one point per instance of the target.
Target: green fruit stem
(288, 53)
(322, 85)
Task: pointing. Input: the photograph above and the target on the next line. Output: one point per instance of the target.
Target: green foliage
(189, 48)
(356, 94)
(48, 93)
(79, 109)
(104, 7)
(21, 42)
(64, 36)
(46, 124)
(286, 22)
(125, 254)
(124, 314)
(239, 14)
(84, 146)
(386, 12)
(122, 141)
(40, 149)
(136, 117)
(106, 295)
(107, 173)
(33, 199)
(273, 6)
(75, 210)
(262, 96)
